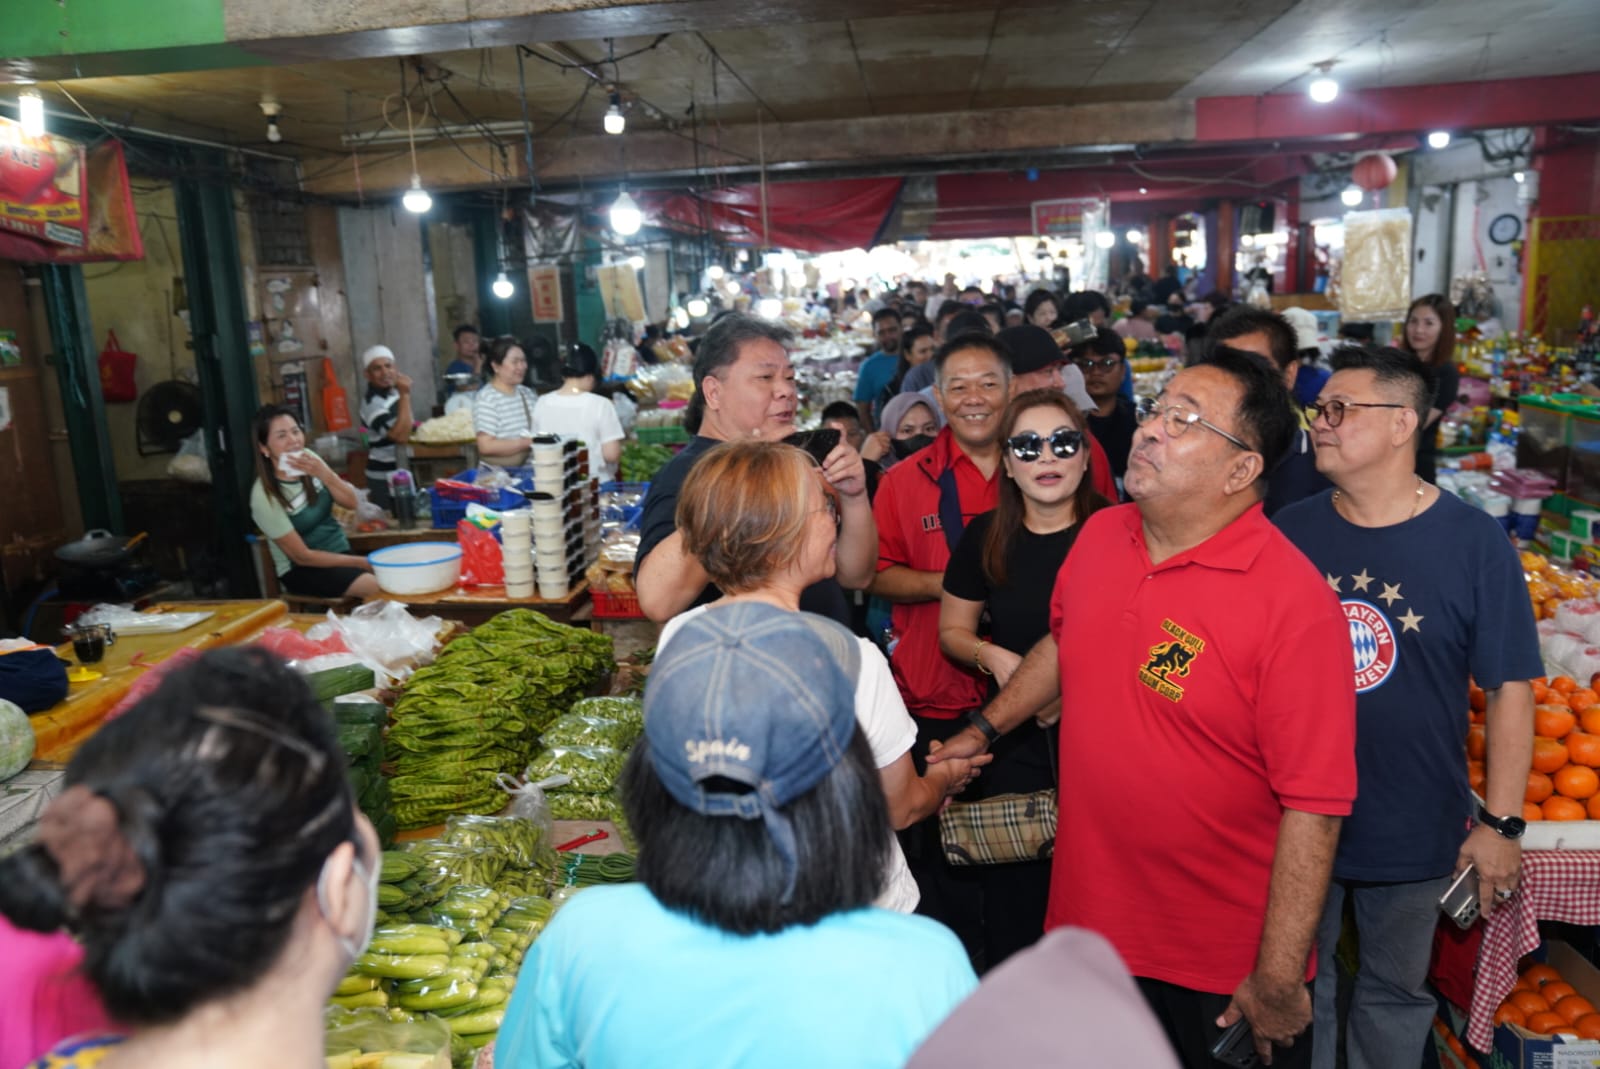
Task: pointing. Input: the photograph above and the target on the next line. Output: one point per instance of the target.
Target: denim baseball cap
(758, 696)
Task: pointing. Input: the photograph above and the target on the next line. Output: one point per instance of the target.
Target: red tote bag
(116, 371)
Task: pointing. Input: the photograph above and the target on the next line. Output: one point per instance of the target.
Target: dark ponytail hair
(230, 790)
(580, 360)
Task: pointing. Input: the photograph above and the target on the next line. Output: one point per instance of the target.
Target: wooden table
(61, 729)
(476, 605)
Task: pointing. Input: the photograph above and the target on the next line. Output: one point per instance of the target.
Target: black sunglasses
(1106, 364)
(1028, 446)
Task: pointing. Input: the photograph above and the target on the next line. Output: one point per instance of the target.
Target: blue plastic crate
(522, 477)
(447, 513)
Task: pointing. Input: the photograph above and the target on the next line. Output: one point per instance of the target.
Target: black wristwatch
(1509, 827)
(979, 721)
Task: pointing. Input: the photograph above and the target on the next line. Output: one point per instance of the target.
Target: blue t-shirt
(618, 981)
(874, 374)
(1429, 601)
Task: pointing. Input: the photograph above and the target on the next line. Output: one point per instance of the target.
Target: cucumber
(408, 939)
(375, 997)
(456, 993)
(402, 966)
(345, 679)
(475, 1023)
(355, 984)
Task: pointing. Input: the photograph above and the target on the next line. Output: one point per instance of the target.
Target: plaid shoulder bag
(1002, 829)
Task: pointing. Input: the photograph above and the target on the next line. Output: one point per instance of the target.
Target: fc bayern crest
(1376, 651)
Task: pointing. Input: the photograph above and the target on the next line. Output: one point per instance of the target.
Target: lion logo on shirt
(1170, 661)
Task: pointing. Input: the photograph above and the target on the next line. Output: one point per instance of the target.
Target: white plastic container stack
(516, 552)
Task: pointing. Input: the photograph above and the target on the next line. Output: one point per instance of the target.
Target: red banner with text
(42, 187)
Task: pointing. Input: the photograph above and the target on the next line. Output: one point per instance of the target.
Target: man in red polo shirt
(1208, 721)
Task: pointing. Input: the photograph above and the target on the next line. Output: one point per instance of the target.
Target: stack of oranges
(1564, 783)
(1541, 1001)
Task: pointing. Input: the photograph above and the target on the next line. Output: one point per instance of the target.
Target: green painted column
(77, 368)
(210, 247)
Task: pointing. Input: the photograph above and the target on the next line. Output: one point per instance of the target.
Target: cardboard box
(1558, 835)
(1518, 1048)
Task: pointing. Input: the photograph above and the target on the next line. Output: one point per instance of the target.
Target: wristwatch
(979, 721)
(1510, 827)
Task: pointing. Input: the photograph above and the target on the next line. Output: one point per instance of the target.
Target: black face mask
(904, 447)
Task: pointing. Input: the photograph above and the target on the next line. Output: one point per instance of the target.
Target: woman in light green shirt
(310, 552)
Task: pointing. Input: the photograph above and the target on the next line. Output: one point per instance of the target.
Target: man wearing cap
(386, 415)
(750, 937)
(744, 388)
(1037, 364)
(1207, 750)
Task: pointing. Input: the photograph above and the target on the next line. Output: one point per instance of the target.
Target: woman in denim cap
(750, 939)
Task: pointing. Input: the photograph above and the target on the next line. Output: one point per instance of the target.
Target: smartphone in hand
(1236, 1046)
(1460, 902)
(819, 443)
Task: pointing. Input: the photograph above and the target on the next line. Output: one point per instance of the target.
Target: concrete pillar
(388, 295)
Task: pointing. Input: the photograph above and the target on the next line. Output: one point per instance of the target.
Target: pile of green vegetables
(476, 710)
(359, 723)
(639, 463)
(588, 745)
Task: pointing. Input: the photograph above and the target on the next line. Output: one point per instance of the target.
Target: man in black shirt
(1112, 420)
(744, 388)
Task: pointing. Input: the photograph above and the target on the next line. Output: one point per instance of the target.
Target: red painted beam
(1404, 109)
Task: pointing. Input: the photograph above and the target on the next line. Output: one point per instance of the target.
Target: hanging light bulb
(30, 109)
(715, 272)
(502, 287)
(626, 218)
(1247, 240)
(1323, 90)
(636, 262)
(272, 109)
(697, 307)
(615, 121)
(416, 198)
(680, 318)
(1104, 239)
(1135, 236)
(769, 308)
(1351, 196)
(1439, 139)
(743, 256)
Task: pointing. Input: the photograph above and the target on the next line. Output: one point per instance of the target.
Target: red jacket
(910, 534)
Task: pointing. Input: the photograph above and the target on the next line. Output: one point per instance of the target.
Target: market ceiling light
(769, 308)
(272, 109)
(615, 121)
(636, 262)
(1135, 236)
(697, 307)
(1439, 139)
(30, 110)
(502, 287)
(1104, 239)
(1143, 191)
(1518, 177)
(715, 272)
(680, 318)
(416, 198)
(1351, 196)
(1247, 240)
(732, 288)
(1323, 90)
(743, 256)
(626, 218)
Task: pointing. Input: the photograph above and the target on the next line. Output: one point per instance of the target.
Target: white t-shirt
(890, 731)
(589, 418)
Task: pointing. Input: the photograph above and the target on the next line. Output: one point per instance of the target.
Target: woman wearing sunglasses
(1006, 564)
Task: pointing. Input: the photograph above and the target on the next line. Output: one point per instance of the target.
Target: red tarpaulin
(825, 216)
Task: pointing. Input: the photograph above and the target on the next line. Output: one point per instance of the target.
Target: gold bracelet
(977, 660)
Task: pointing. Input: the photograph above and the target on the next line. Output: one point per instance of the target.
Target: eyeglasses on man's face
(1333, 411)
(1103, 364)
(1029, 446)
(1176, 419)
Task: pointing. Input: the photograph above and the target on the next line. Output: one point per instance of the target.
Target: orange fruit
(1509, 1014)
(1477, 744)
(1531, 810)
(1589, 720)
(1584, 748)
(1521, 983)
(1544, 1023)
(1577, 781)
(1548, 754)
(1541, 693)
(1553, 721)
(1556, 990)
(1593, 807)
(1477, 700)
(1477, 777)
(1573, 1007)
(1558, 808)
(1529, 1002)
(1540, 787)
(1564, 684)
(1583, 698)
(1539, 975)
(1588, 1026)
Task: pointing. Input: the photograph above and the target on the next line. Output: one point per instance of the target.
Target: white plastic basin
(417, 567)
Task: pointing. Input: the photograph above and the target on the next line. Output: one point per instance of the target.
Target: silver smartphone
(1460, 902)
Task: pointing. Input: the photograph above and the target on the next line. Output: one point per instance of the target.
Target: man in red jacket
(923, 504)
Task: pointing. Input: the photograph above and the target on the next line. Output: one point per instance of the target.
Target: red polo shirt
(909, 533)
(1200, 697)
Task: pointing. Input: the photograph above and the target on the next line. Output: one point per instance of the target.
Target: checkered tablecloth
(1556, 885)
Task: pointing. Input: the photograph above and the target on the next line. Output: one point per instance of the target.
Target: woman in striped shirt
(502, 412)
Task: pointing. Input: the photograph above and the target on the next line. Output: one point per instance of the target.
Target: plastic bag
(481, 562)
(291, 645)
(518, 839)
(423, 1043)
(592, 769)
(191, 465)
(528, 799)
(576, 729)
(1375, 279)
(366, 511)
(385, 637)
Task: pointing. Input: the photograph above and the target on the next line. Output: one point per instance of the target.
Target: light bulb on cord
(1104, 239)
(272, 109)
(416, 198)
(615, 121)
(626, 218)
(1135, 236)
(502, 287)
(636, 262)
(1323, 90)
(1351, 196)
(697, 307)
(30, 110)
(1439, 139)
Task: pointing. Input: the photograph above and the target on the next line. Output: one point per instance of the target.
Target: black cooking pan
(99, 549)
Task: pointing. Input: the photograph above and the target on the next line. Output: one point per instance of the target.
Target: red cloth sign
(41, 186)
(825, 216)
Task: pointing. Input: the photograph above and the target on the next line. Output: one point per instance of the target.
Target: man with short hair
(876, 370)
(386, 415)
(468, 360)
(965, 321)
(1186, 630)
(1111, 420)
(744, 388)
(1435, 599)
(1037, 364)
